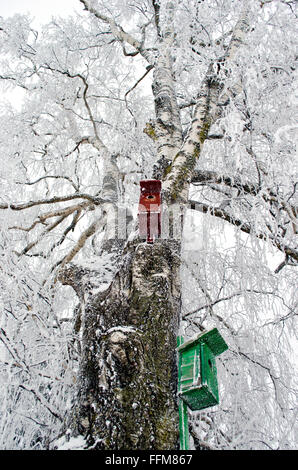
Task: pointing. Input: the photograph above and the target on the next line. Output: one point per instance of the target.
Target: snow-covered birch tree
(198, 94)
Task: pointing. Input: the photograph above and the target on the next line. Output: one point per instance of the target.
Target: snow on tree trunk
(127, 380)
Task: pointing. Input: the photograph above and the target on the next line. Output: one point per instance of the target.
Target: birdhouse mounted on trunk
(197, 372)
(150, 210)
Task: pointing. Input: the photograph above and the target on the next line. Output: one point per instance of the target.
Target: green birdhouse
(197, 373)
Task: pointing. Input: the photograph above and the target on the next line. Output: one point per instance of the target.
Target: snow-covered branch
(205, 114)
(243, 226)
(117, 30)
(54, 200)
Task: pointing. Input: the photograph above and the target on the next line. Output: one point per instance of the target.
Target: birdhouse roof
(151, 186)
(212, 338)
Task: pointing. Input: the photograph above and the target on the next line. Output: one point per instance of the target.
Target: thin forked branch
(94, 227)
(117, 31)
(243, 226)
(26, 205)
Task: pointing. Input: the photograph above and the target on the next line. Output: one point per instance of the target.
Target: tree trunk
(126, 395)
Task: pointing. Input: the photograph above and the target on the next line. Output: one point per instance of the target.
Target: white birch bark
(167, 127)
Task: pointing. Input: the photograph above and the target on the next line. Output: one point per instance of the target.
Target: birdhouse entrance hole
(150, 210)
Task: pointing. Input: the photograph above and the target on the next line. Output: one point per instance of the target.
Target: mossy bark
(127, 383)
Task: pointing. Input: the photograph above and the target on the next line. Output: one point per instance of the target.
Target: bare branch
(148, 69)
(71, 227)
(81, 241)
(86, 86)
(50, 176)
(244, 227)
(206, 112)
(204, 176)
(43, 401)
(11, 349)
(49, 229)
(61, 212)
(118, 31)
(252, 189)
(26, 205)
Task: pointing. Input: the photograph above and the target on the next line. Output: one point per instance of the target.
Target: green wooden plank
(213, 338)
(183, 426)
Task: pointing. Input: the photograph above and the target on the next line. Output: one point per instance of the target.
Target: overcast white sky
(41, 10)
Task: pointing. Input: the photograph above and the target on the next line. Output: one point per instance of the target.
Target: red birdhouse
(150, 210)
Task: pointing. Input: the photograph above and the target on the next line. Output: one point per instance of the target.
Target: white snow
(74, 443)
